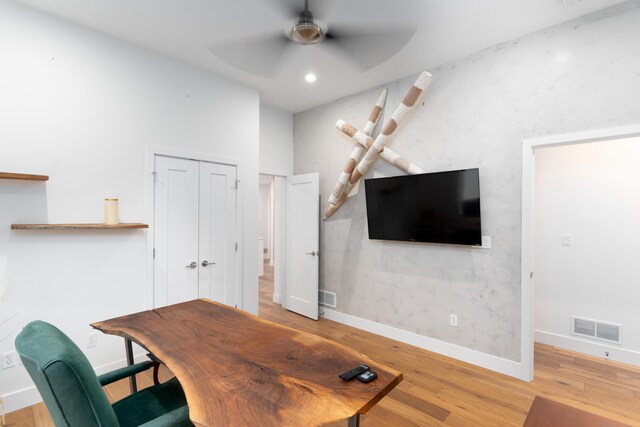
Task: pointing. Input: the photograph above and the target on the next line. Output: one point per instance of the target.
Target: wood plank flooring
(439, 391)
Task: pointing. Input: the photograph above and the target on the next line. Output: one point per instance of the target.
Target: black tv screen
(442, 207)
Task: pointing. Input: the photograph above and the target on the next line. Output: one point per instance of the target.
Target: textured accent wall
(581, 75)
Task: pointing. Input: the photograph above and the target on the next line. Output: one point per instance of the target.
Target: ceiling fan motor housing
(306, 31)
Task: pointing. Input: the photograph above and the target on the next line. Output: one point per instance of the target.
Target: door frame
(529, 147)
(151, 151)
(278, 203)
(279, 236)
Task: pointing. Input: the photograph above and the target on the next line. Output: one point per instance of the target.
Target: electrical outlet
(453, 320)
(92, 339)
(565, 240)
(9, 359)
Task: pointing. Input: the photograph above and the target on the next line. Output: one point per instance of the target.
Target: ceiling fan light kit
(306, 33)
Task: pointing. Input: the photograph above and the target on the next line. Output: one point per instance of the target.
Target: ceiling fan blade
(287, 9)
(260, 55)
(365, 48)
(321, 9)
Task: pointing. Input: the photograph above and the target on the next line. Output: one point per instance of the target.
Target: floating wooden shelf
(23, 176)
(77, 226)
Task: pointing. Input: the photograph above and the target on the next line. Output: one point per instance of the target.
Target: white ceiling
(446, 30)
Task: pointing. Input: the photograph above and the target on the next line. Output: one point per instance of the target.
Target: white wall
(82, 107)
(589, 192)
(276, 158)
(276, 141)
(576, 76)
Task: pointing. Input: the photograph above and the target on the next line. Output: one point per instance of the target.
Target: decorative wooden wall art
(358, 150)
(353, 171)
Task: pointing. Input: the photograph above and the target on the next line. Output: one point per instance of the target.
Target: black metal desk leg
(354, 421)
(129, 350)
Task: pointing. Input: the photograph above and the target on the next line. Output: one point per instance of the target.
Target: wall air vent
(584, 327)
(608, 332)
(327, 298)
(605, 331)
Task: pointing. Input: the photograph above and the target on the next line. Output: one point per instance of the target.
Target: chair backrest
(64, 377)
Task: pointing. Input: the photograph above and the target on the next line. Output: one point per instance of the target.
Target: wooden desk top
(239, 370)
(546, 413)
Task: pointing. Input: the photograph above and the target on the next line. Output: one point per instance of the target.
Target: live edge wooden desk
(239, 370)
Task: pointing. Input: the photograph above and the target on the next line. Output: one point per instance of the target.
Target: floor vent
(327, 298)
(597, 329)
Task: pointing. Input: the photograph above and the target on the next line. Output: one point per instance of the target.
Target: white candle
(111, 211)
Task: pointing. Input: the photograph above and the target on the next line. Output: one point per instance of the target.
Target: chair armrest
(177, 417)
(125, 372)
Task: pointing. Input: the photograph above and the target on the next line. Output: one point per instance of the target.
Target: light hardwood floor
(439, 391)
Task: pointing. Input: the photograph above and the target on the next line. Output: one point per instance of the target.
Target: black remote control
(367, 376)
(349, 375)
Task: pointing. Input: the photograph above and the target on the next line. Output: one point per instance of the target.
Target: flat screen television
(441, 207)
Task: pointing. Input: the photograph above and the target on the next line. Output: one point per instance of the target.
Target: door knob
(192, 265)
(312, 253)
(205, 263)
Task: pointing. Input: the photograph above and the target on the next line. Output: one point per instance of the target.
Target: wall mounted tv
(441, 207)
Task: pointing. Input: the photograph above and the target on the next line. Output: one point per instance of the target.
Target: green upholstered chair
(73, 393)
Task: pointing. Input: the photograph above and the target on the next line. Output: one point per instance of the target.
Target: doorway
(266, 234)
(194, 240)
(271, 238)
(529, 275)
(587, 225)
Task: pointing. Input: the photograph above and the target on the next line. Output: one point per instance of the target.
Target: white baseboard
(484, 360)
(21, 399)
(30, 396)
(277, 298)
(596, 349)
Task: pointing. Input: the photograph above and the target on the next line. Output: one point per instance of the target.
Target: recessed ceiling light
(310, 78)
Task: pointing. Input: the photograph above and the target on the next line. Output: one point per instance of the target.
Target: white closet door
(218, 233)
(175, 266)
(302, 244)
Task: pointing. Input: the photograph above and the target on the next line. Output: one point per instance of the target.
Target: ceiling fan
(359, 43)
(306, 31)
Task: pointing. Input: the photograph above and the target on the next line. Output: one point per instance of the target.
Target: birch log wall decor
(377, 147)
(356, 154)
(387, 154)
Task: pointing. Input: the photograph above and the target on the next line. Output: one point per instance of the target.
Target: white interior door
(175, 267)
(302, 244)
(217, 249)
